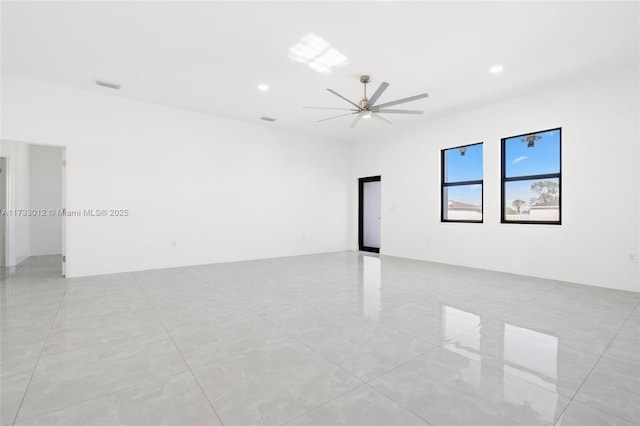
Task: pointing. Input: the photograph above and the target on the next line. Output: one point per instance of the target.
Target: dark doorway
(369, 213)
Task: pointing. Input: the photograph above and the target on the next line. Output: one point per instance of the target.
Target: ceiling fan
(367, 108)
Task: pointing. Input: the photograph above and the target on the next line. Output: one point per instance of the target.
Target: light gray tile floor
(332, 339)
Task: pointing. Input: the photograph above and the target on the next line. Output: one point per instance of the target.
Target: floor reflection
(516, 352)
(492, 355)
(371, 288)
(456, 321)
(531, 355)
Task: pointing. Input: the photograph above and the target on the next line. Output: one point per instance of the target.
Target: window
(462, 184)
(531, 178)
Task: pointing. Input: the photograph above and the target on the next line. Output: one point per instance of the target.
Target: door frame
(361, 182)
(5, 218)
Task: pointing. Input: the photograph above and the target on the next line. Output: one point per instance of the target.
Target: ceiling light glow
(495, 69)
(308, 48)
(329, 59)
(263, 87)
(317, 53)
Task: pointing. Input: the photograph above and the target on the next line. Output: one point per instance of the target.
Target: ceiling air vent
(108, 84)
(268, 119)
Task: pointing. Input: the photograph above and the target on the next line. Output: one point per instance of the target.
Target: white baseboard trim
(46, 252)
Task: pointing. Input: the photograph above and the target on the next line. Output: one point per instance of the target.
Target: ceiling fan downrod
(364, 79)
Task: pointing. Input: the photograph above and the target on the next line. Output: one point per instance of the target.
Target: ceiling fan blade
(341, 109)
(379, 117)
(376, 95)
(358, 117)
(401, 101)
(341, 115)
(342, 97)
(399, 111)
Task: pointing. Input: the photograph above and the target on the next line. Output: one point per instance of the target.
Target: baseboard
(46, 252)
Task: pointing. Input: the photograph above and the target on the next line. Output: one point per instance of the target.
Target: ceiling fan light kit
(367, 108)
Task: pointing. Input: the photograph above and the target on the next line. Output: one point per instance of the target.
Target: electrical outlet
(633, 258)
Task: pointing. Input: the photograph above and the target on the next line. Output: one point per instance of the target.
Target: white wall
(224, 190)
(17, 155)
(599, 117)
(199, 189)
(45, 193)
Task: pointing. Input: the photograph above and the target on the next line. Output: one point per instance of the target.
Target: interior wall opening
(32, 195)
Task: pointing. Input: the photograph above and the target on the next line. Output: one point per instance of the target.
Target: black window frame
(505, 179)
(444, 185)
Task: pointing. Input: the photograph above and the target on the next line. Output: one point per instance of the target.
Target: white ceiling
(210, 56)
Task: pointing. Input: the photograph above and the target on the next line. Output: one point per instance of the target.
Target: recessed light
(496, 69)
(263, 87)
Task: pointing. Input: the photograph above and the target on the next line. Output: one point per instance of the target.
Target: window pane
(524, 156)
(461, 168)
(535, 200)
(462, 202)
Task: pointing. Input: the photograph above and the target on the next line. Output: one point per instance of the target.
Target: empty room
(321, 213)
